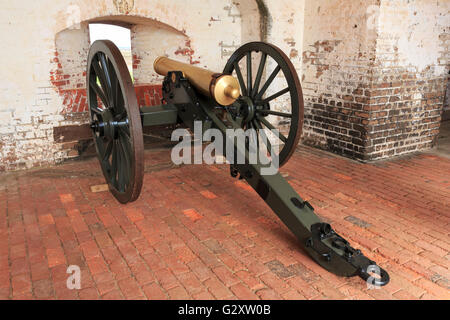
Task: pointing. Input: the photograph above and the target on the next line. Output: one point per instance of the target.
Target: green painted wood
(159, 115)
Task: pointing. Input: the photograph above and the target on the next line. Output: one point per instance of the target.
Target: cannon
(236, 98)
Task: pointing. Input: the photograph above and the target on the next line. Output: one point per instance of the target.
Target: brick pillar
(338, 54)
(409, 77)
(374, 75)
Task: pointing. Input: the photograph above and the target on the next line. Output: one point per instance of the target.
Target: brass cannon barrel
(221, 87)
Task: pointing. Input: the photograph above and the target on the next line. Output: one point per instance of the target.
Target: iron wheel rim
(116, 122)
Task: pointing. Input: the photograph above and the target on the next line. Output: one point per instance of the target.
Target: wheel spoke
(96, 110)
(126, 132)
(275, 113)
(93, 84)
(260, 129)
(102, 72)
(126, 157)
(119, 104)
(120, 116)
(106, 72)
(115, 87)
(249, 72)
(101, 76)
(268, 82)
(108, 149)
(121, 167)
(271, 127)
(253, 137)
(114, 166)
(240, 78)
(262, 63)
(257, 137)
(276, 95)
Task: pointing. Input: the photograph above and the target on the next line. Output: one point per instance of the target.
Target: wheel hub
(109, 125)
(106, 126)
(247, 109)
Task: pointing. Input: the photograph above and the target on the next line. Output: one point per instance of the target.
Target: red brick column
(374, 84)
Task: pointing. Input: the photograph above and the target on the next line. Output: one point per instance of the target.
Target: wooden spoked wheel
(115, 120)
(274, 84)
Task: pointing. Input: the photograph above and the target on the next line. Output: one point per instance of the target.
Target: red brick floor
(197, 233)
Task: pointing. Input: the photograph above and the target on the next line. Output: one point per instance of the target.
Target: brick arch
(186, 43)
(128, 21)
(146, 36)
(254, 15)
(205, 37)
(70, 58)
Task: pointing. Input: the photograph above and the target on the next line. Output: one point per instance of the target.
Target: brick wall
(373, 83)
(374, 76)
(43, 84)
(338, 53)
(409, 77)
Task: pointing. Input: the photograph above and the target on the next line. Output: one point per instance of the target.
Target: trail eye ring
(366, 276)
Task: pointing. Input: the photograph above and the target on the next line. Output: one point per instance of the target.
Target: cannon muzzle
(223, 88)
